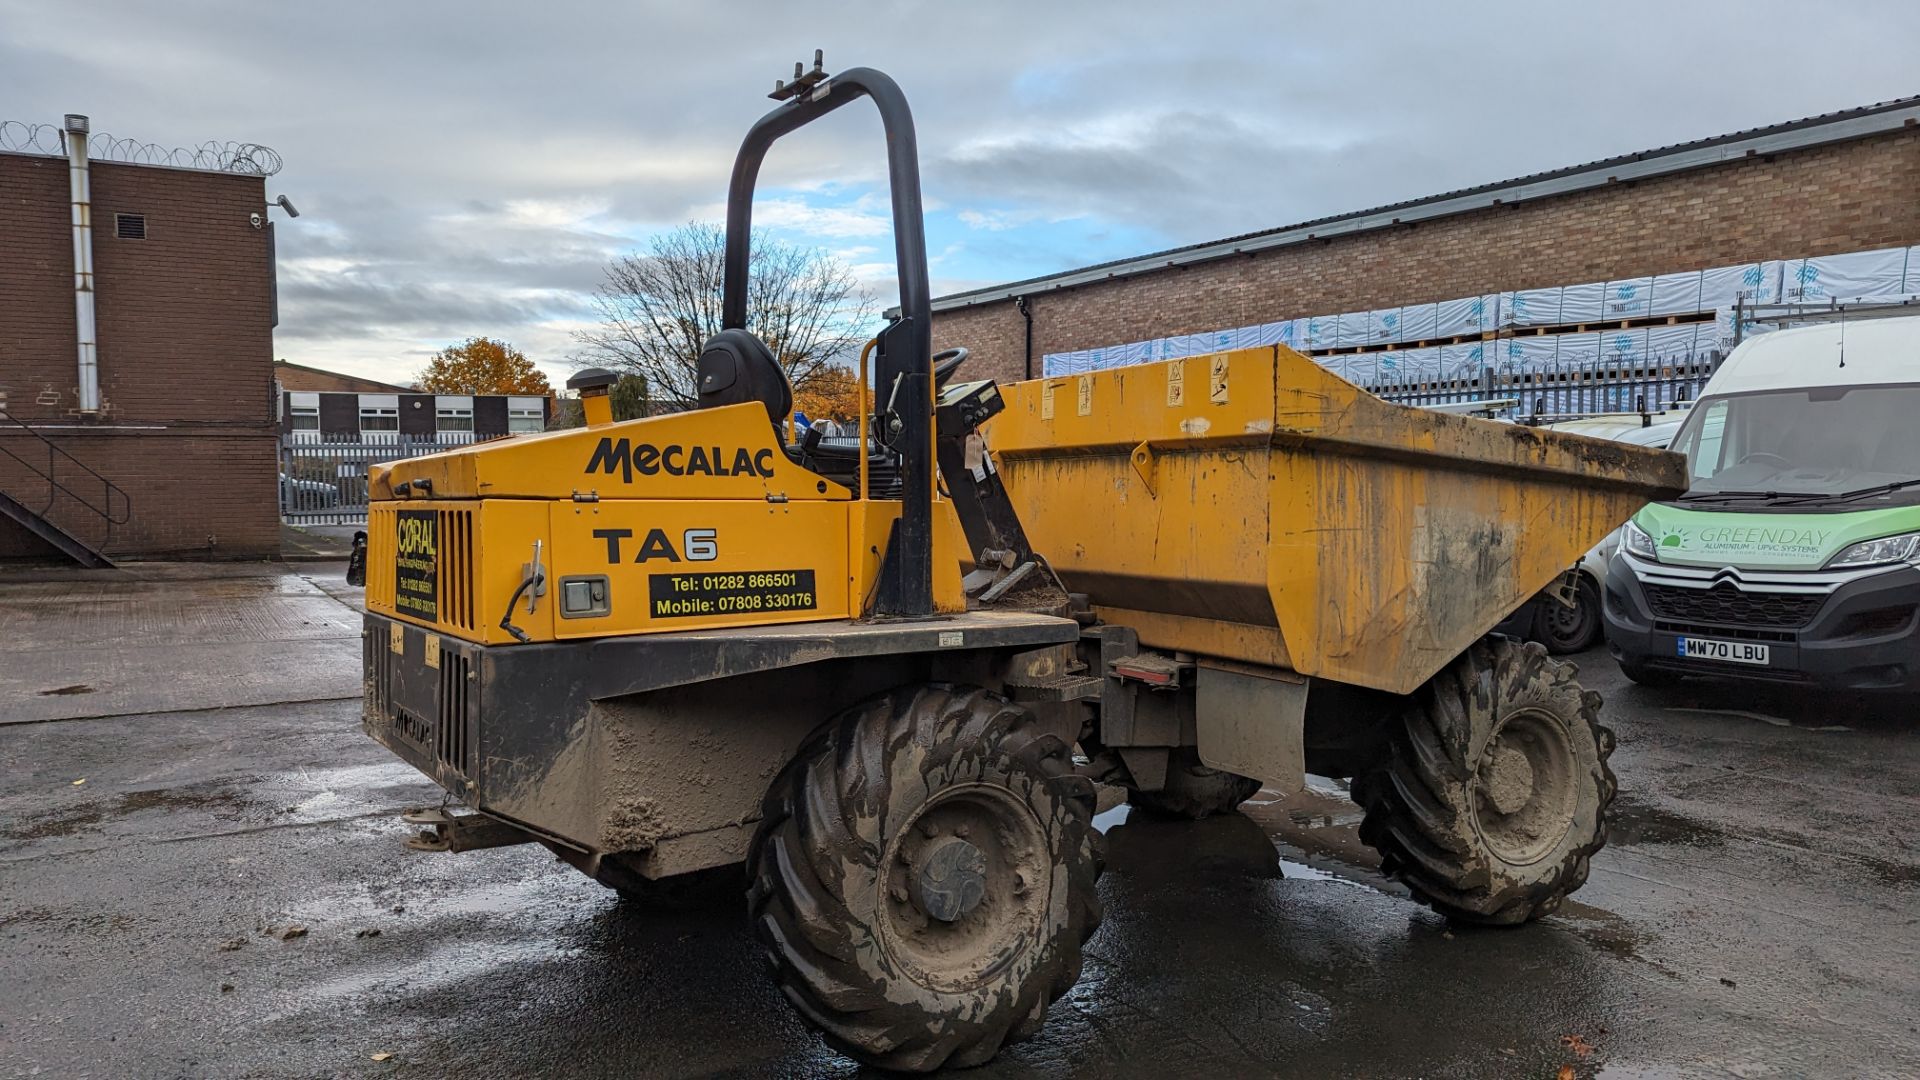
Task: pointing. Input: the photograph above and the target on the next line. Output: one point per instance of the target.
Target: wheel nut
(962, 830)
(900, 893)
(929, 829)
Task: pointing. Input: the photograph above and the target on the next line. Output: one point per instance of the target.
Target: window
(130, 226)
(524, 415)
(306, 417)
(375, 418)
(453, 414)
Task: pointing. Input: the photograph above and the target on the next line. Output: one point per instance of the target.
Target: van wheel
(923, 877)
(1564, 629)
(1494, 794)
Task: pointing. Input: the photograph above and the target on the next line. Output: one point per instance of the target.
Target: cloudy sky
(466, 167)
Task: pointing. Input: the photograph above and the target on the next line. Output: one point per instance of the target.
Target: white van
(1795, 553)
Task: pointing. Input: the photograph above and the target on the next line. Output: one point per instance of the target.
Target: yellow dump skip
(1251, 505)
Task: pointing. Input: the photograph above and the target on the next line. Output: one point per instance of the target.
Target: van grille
(1729, 606)
(450, 742)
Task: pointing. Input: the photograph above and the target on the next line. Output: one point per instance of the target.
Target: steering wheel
(1763, 458)
(946, 362)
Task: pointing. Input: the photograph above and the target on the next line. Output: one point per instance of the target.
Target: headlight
(1637, 542)
(1887, 549)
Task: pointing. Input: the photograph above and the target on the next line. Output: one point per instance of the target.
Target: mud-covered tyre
(924, 875)
(1495, 793)
(1194, 790)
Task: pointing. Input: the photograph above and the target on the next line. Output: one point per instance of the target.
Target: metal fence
(1559, 391)
(323, 481)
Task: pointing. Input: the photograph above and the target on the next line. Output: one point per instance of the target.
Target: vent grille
(1726, 605)
(130, 226)
(379, 669)
(382, 535)
(450, 744)
(456, 568)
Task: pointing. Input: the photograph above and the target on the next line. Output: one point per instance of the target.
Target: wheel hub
(1509, 780)
(949, 879)
(1526, 788)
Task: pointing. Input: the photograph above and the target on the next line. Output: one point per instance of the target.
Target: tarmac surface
(202, 873)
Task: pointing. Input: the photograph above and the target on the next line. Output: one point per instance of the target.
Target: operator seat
(735, 367)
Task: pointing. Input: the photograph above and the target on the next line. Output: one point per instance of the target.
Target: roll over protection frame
(903, 374)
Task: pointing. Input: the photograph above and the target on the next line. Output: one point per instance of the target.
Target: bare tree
(657, 310)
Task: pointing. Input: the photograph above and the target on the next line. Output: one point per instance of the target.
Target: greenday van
(1795, 553)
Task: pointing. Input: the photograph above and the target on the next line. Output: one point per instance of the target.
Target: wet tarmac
(228, 894)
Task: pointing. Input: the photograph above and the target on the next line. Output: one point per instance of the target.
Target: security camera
(287, 205)
(254, 219)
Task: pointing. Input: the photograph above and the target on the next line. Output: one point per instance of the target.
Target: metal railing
(323, 479)
(113, 508)
(1556, 392)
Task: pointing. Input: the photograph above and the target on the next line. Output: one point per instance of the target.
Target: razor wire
(248, 159)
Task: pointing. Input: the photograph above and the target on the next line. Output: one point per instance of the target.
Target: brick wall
(184, 323)
(1842, 197)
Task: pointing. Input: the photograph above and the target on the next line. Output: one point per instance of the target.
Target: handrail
(109, 490)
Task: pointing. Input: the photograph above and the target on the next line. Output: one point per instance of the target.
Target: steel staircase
(112, 507)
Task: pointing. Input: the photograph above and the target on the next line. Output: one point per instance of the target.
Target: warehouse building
(137, 306)
(1634, 260)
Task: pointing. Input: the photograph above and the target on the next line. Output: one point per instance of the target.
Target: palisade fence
(1554, 392)
(323, 480)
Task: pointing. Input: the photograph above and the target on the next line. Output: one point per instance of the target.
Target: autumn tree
(833, 393)
(657, 309)
(483, 366)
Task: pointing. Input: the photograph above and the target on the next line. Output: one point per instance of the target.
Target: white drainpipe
(82, 194)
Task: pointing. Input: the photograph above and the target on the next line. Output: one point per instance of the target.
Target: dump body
(1253, 506)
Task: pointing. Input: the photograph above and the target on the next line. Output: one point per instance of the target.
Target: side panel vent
(451, 744)
(130, 226)
(456, 568)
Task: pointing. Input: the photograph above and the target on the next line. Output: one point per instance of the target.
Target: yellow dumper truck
(886, 679)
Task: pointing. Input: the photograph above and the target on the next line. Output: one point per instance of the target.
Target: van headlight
(1887, 549)
(1637, 542)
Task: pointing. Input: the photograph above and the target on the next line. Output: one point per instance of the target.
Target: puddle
(1301, 871)
(88, 816)
(1633, 823)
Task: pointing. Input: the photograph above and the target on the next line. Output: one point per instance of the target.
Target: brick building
(1843, 182)
(178, 440)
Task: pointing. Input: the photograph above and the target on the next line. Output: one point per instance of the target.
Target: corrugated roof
(1793, 135)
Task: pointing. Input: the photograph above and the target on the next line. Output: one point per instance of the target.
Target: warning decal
(416, 565)
(679, 596)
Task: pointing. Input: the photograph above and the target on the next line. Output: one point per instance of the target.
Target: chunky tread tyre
(1475, 835)
(1194, 790)
(861, 796)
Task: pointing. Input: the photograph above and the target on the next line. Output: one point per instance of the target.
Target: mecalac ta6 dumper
(873, 687)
